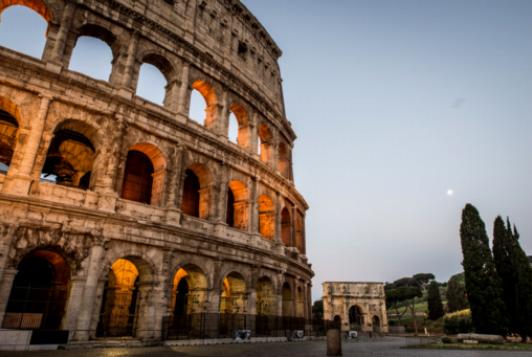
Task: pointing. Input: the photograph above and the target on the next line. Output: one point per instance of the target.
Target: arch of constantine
(123, 217)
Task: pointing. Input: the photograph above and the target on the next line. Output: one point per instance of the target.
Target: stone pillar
(173, 184)
(18, 181)
(183, 102)
(6, 284)
(73, 306)
(223, 117)
(253, 134)
(87, 299)
(55, 45)
(253, 207)
(278, 218)
(150, 312)
(293, 213)
(222, 187)
(274, 158)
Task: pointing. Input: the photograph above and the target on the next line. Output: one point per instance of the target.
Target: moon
(450, 192)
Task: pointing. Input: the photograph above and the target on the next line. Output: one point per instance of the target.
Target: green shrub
(457, 324)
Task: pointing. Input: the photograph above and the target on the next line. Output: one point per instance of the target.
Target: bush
(458, 322)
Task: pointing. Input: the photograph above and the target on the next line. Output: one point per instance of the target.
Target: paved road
(385, 347)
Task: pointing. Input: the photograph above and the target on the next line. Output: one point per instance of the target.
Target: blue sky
(394, 104)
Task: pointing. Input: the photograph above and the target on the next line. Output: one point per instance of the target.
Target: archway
(356, 319)
(287, 300)
(39, 294)
(138, 178)
(188, 301)
(237, 205)
(239, 125)
(286, 227)
(8, 135)
(376, 324)
(266, 217)
(203, 103)
(265, 306)
(265, 143)
(70, 157)
(118, 314)
(195, 200)
(283, 164)
(233, 302)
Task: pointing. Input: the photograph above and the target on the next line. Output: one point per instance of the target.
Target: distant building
(359, 306)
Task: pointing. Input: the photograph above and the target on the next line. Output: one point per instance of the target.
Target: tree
(456, 293)
(317, 310)
(434, 301)
(482, 283)
(516, 274)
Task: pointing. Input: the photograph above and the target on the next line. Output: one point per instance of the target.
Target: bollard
(334, 343)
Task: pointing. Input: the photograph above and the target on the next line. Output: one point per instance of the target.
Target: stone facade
(138, 212)
(359, 306)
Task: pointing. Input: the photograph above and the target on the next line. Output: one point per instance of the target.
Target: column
(183, 102)
(5, 290)
(253, 208)
(223, 117)
(55, 46)
(274, 159)
(18, 181)
(253, 134)
(87, 303)
(222, 187)
(278, 217)
(293, 213)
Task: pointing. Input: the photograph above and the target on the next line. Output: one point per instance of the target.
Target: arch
(241, 117)
(71, 154)
(266, 217)
(154, 77)
(211, 102)
(121, 299)
(24, 28)
(89, 54)
(287, 300)
(233, 294)
(40, 291)
(265, 137)
(39, 6)
(300, 302)
(144, 174)
(356, 318)
(283, 164)
(265, 300)
(195, 200)
(237, 205)
(8, 134)
(286, 227)
(300, 233)
(376, 324)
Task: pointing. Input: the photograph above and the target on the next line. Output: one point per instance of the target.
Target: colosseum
(120, 217)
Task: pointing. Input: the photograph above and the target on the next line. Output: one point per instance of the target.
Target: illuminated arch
(208, 93)
(242, 120)
(265, 137)
(39, 6)
(286, 227)
(237, 205)
(195, 199)
(266, 217)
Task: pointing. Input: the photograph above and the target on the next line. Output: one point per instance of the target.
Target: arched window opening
(188, 299)
(138, 178)
(300, 303)
(237, 205)
(70, 157)
(151, 84)
(356, 319)
(39, 294)
(286, 227)
(266, 217)
(283, 165)
(265, 143)
(239, 126)
(287, 300)
(203, 104)
(233, 296)
(118, 313)
(190, 204)
(233, 128)
(23, 28)
(8, 135)
(230, 219)
(92, 54)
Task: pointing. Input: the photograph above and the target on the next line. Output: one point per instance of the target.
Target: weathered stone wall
(369, 298)
(215, 46)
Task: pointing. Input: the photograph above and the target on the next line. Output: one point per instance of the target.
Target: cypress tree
(456, 294)
(434, 301)
(481, 280)
(503, 257)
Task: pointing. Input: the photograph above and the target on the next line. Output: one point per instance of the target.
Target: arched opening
(203, 104)
(8, 135)
(144, 175)
(283, 164)
(356, 319)
(266, 217)
(287, 300)
(233, 301)
(376, 324)
(39, 294)
(237, 205)
(239, 126)
(265, 143)
(118, 314)
(300, 303)
(286, 227)
(23, 28)
(195, 198)
(70, 157)
(92, 54)
(138, 178)
(300, 234)
(265, 306)
(188, 299)
(151, 84)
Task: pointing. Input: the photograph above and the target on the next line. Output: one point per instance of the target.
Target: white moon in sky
(450, 192)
